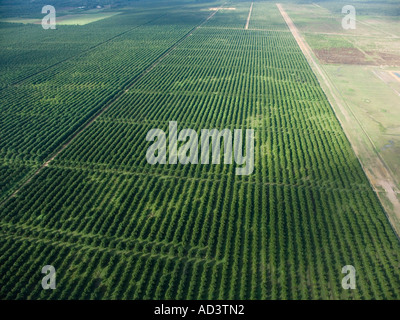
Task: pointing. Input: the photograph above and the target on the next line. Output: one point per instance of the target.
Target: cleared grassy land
(375, 102)
(116, 227)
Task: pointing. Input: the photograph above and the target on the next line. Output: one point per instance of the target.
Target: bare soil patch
(342, 56)
(356, 57)
(390, 59)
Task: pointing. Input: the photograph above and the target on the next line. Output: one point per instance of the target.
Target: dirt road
(248, 18)
(377, 171)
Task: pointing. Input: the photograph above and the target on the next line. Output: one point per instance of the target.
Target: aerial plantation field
(29, 49)
(39, 113)
(116, 227)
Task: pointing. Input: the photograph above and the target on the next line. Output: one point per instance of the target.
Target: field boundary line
(120, 252)
(220, 178)
(114, 99)
(92, 236)
(379, 176)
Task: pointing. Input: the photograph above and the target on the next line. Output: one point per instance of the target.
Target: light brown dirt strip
(248, 18)
(378, 173)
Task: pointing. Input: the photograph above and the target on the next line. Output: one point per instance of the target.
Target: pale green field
(322, 28)
(373, 95)
(70, 19)
(21, 20)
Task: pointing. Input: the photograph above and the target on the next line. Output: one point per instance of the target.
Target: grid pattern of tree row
(63, 88)
(115, 227)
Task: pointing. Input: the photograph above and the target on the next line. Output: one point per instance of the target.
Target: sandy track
(248, 17)
(378, 173)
